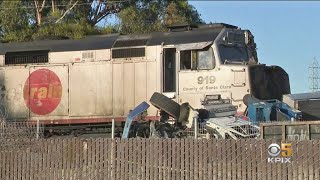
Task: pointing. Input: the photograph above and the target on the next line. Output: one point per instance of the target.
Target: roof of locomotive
(95, 42)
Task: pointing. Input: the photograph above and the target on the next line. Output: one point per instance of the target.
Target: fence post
(113, 161)
(112, 129)
(38, 128)
(195, 119)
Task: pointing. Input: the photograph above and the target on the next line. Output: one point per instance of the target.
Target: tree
(94, 11)
(76, 19)
(136, 19)
(180, 12)
(15, 21)
(24, 20)
(147, 16)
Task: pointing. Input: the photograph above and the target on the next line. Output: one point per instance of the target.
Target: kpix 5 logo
(280, 155)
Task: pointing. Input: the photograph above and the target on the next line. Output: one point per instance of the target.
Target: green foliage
(152, 15)
(14, 22)
(135, 20)
(20, 35)
(70, 31)
(180, 12)
(108, 29)
(19, 20)
(64, 30)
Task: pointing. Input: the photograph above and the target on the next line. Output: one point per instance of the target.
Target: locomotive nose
(268, 82)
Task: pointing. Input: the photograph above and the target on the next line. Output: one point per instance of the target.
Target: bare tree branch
(97, 9)
(37, 12)
(70, 2)
(52, 3)
(65, 13)
(100, 18)
(102, 11)
(43, 3)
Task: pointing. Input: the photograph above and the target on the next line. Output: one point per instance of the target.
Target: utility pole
(314, 76)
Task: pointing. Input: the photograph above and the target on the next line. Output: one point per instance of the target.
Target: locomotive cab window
(197, 59)
(185, 60)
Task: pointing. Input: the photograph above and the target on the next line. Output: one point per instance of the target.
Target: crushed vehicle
(134, 113)
(216, 120)
(222, 122)
(231, 127)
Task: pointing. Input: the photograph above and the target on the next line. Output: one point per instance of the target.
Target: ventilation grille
(26, 57)
(87, 55)
(128, 53)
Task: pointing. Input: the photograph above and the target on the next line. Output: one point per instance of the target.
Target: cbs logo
(275, 150)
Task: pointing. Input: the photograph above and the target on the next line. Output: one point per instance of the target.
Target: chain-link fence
(162, 159)
(17, 135)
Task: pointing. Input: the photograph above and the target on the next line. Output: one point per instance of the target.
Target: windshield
(235, 53)
(205, 59)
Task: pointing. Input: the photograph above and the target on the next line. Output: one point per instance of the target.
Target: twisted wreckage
(217, 119)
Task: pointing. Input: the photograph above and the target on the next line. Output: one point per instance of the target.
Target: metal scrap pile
(222, 121)
(218, 107)
(216, 120)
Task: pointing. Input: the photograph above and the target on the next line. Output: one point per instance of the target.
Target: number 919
(206, 79)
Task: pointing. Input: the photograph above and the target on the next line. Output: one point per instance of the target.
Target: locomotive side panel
(12, 82)
(152, 84)
(140, 82)
(91, 89)
(96, 89)
(117, 71)
(129, 90)
(2, 60)
(104, 89)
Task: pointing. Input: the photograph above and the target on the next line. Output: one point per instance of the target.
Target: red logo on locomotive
(42, 91)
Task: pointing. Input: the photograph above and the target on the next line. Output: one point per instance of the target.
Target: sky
(287, 34)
